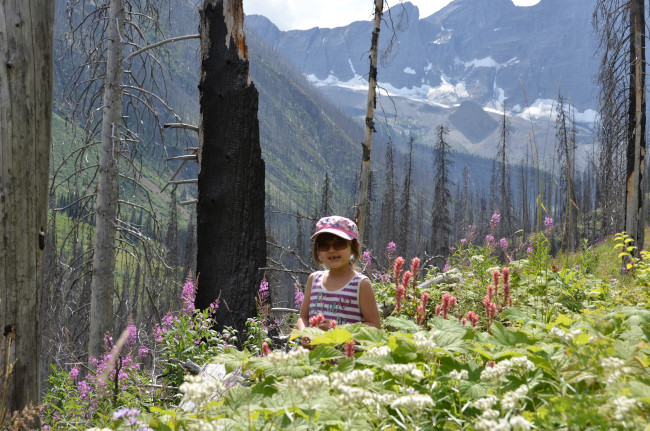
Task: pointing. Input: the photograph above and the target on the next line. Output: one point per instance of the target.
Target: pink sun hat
(337, 225)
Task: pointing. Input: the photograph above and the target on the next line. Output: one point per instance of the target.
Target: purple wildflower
(446, 268)
(463, 241)
(300, 297)
(74, 373)
(391, 248)
(133, 335)
(366, 259)
(548, 222)
(489, 239)
(503, 243)
(187, 297)
(494, 221)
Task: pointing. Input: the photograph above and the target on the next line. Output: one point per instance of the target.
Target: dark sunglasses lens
(340, 244)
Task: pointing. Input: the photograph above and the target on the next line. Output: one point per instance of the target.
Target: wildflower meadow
(489, 342)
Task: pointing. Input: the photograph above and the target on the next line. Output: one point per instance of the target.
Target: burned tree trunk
(26, 41)
(231, 238)
(636, 144)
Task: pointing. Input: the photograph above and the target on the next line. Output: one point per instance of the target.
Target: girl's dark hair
(354, 245)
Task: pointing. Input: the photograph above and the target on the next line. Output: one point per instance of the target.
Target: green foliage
(568, 353)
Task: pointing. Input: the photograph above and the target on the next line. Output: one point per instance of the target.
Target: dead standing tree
(620, 25)
(26, 34)
(230, 209)
(364, 181)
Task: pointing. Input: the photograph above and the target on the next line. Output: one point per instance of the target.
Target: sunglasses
(337, 243)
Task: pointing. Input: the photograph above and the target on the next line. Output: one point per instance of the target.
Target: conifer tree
(441, 219)
(387, 223)
(405, 219)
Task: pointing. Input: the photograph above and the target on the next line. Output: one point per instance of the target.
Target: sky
(305, 14)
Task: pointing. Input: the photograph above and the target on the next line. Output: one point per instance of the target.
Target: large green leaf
(365, 334)
(402, 324)
(325, 353)
(507, 337)
(515, 315)
(335, 336)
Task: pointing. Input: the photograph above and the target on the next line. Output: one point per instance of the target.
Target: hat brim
(333, 231)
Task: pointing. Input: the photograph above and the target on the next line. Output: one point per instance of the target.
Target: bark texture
(636, 146)
(101, 297)
(364, 182)
(231, 243)
(26, 34)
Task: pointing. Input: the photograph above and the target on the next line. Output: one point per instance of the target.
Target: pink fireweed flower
(299, 296)
(489, 240)
(349, 349)
(548, 222)
(446, 268)
(143, 352)
(187, 298)
(263, 292)
(494, 221)
(74, 373)
(391, 248)
(503, 243)
(397, 269)
(463, 241)
(265, 349)
(133, 335)
(316, 320)
(399, 296)
(366, 259)
(529, 250)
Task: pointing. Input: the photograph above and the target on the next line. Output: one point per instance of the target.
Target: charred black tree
(231, 236)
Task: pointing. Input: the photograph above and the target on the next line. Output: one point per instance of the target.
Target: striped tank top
(341, 305)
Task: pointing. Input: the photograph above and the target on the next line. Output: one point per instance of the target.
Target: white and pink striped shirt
(341, 305)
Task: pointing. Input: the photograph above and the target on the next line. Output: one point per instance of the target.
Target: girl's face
(333, 250)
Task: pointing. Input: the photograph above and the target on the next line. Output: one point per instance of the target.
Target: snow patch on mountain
(545, 108)
(409, 70)
(488, 62)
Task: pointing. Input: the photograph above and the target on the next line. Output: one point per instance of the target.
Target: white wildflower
(373, 399)
(519, 423)
(477, 258)
(522, 363)
(378, 352)
(485, 424)
(486, 403)
(309, 385)
(511, 399)
(413, 402)
(353, 395)
(424, 341)
(399, 370)
(613, 368)
(567, 337)
(199, 389)
(497, 371)
(559, 333)
(457, 376)
(354, 377)
(205, 426)
(623, 405)
(280, 358)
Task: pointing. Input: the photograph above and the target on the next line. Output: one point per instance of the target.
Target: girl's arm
(303, 319)
(368, 304)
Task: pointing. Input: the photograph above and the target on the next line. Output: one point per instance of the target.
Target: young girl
(339, 293)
